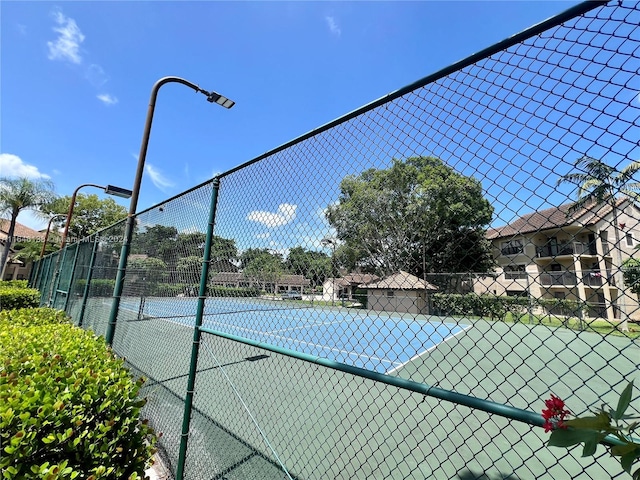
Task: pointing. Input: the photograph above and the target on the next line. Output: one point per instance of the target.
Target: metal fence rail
(394, 294)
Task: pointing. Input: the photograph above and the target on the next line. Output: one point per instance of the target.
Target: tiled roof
(555, 217)
(400, 281)
(21, 231)
(358, 278)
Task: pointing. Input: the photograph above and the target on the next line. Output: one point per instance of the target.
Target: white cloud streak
(13, 166)
(158, 179)
(333, 26)
(286, 213)
(67, 46)
(107, 99)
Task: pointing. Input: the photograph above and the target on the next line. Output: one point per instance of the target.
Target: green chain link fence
(394, 294)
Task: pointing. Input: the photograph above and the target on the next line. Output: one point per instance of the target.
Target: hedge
(68, 407)
(14, 283)
(18, 297)
(471, 304)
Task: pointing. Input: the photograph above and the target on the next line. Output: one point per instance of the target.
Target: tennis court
(377, 341)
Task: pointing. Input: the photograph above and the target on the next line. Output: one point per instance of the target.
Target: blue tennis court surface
(378, 341)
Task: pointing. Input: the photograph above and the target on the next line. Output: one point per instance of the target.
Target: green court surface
(255, 409)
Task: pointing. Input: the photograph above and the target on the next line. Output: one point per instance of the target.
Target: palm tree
(600, 184)
(16, 195)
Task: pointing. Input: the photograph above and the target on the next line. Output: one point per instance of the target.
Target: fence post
(202, 295)
(85, 292)
(73, 272)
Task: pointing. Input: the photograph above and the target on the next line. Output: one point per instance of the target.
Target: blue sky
(76, 79)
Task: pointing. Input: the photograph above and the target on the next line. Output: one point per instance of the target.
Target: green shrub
(101, 287)
(174, 289)
(494, 307)
(14, 283)
(18, 297)
(216, 291)
(68, 407)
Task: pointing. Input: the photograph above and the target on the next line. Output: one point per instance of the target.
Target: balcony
(558, 279)
(595, 278)
(573, 248)
(513, 250)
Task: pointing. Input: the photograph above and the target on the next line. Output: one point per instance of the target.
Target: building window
(515, 272)
(512, 247)
(390, 293)
(629, 238)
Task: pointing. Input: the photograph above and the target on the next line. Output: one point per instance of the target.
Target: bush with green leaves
(14, 283)
(474, 305)
(12, 297)
(68, 407)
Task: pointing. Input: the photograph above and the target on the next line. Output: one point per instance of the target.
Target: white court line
(322, 347)
(446, 339)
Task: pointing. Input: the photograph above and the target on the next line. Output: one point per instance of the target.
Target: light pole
(326, 242)
(46, 235)
(109, 190)
(212, 97)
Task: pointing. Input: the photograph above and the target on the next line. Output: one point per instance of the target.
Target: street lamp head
(220, 100)
(117, 191)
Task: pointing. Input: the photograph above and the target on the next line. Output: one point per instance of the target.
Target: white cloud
(263, 235)
(107, 99)
(13, 166)
(158, 179)
(286, 213)
(67, 46)
(333, 26)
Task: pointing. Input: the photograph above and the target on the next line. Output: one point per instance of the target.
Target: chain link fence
(394, 294)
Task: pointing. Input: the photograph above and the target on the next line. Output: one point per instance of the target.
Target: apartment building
(564, 254)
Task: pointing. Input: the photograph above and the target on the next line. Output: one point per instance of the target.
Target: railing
(577, 248)
(511, 250)
(558, 279)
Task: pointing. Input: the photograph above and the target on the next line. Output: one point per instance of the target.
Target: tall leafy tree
(601, 184)
(261, 266)
(316, 266)
(90, 213)
(419, 215)
(157, 241)
(16, 195)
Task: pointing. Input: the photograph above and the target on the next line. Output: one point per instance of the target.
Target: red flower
(555, 414)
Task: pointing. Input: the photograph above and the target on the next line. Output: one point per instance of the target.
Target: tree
(419, 215)
(316, 266)
(16, 195)
(90, 214)
(189, 269)
(146, 273)
(157, 241)
(631, 274)
(261, 266)
(600, 184)
(30, 251)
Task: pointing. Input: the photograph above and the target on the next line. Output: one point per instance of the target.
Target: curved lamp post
(109, 190)
(212, 97)
(124, 253)
(46, 235)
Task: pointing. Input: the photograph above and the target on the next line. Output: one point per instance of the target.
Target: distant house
(559, 254)
(280, 284)
(345, 286)
(17, 269)
(401, 292)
